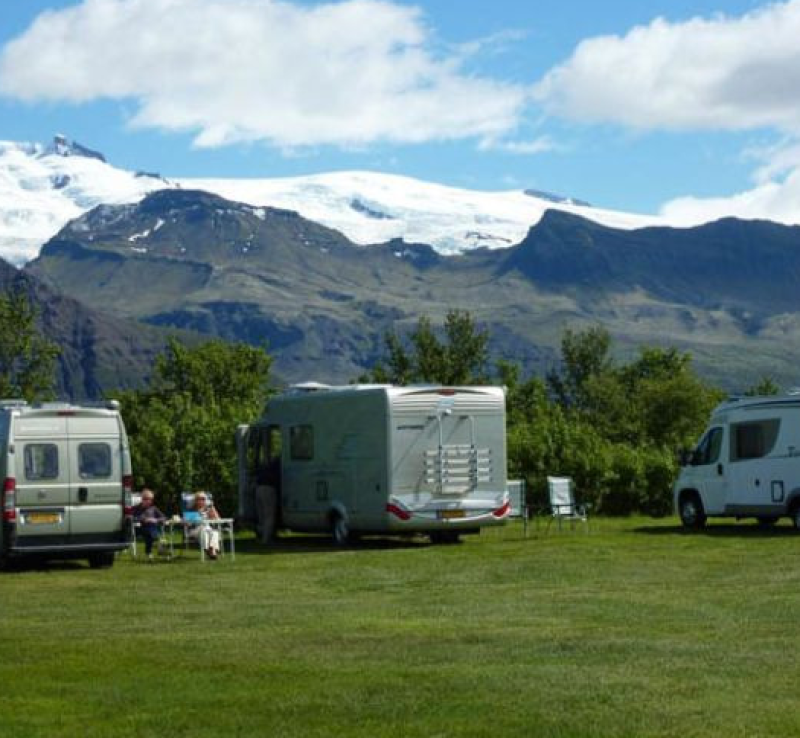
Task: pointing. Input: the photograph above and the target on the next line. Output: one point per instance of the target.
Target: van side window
(301, 442)
(753, 440)
(41, 461)
(707, 451)
(94, 460)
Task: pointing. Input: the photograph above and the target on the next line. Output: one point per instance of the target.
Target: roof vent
(13, 403)
(309, 387)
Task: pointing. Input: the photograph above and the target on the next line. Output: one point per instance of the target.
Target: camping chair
(136, 499)
(191, 520)
(562, 503)
(135, 528)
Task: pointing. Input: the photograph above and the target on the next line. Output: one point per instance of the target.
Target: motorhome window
(753, 440)
(301, 442)
(94, 461)
(41, 461)
(708, 449)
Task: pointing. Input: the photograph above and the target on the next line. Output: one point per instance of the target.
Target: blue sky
(489, 95)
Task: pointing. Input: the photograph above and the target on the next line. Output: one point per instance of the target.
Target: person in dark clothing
(150, 519)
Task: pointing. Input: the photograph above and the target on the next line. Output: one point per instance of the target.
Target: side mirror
(685, 457)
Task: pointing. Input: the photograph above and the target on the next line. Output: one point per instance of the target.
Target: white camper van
(376, 459)
(747, 464)
(66, 476)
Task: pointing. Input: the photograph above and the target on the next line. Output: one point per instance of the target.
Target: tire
(767, 522)
(693, 516)
(267, 511)
(445, 537)
(795, 515)
(104, 560)
(340, 530)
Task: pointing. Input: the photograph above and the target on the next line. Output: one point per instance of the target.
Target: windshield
(707, 451)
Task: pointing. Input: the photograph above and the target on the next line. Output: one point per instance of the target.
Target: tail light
(501, 512)
(398, 512)
(9, 500)
(127, 495)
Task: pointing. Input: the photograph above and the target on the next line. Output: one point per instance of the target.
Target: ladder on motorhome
(457, 468)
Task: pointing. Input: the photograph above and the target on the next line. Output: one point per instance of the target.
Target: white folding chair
(562, 503)
(191, 522)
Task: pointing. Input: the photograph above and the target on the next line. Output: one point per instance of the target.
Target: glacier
(44, 187)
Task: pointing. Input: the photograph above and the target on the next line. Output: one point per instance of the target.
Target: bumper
(430, 520)
(67, 550)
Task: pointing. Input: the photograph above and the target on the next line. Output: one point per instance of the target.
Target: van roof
(46, 409)
(758, 401)
(315, 388)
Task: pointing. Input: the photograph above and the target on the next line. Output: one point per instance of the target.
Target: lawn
(633, 630)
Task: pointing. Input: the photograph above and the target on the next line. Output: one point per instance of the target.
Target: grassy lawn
(633, 630)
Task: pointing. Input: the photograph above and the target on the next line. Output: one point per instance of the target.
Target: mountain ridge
(323, 302)
(42, 188)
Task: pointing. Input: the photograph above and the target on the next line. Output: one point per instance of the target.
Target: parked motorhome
(66, 472)
(366, 459)
(746, 464)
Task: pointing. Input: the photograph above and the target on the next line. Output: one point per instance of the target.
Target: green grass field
(633, 630)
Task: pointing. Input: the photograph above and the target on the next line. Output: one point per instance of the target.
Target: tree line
(615, 427)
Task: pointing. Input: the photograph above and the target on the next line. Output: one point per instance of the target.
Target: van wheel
(691, 511)
(103, 560)
(340, 531)
(795, 513)
(445, 537)
(767, 522)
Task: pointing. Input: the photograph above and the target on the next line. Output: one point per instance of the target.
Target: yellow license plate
(451, 514)
(43, 518)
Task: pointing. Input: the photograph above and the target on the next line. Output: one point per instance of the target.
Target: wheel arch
(690, 491)
(793, 500)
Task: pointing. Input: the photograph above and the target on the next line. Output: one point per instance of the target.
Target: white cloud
(722, 73)
(775, 199)
(346, 73)
(719, 74)
(538, 145)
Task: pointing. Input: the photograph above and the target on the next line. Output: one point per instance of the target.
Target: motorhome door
(95, 455)
(709, 464)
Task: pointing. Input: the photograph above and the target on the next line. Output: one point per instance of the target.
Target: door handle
(83, 494)
(720, 469)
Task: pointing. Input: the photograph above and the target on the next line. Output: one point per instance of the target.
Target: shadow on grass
(720, 531)
(29, 563)
(322, 544)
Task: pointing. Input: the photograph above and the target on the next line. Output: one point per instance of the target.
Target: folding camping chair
(563, 505)
(135, 528)
(191, 520)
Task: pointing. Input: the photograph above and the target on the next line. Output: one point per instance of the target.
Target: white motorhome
(747, 464)
(66, 481)
(376, 459)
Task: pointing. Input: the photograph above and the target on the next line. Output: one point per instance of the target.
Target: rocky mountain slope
(98, 351)
(189, 259)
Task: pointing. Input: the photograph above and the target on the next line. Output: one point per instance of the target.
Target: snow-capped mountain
(42, 188)
(369, 207)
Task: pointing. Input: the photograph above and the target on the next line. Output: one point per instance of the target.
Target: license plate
(451, 514)
(42, 518)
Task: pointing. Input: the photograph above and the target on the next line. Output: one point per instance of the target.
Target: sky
(686, 109)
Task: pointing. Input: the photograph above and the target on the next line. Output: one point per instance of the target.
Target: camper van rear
(746, 464)
(66, 474)
(377, 459)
